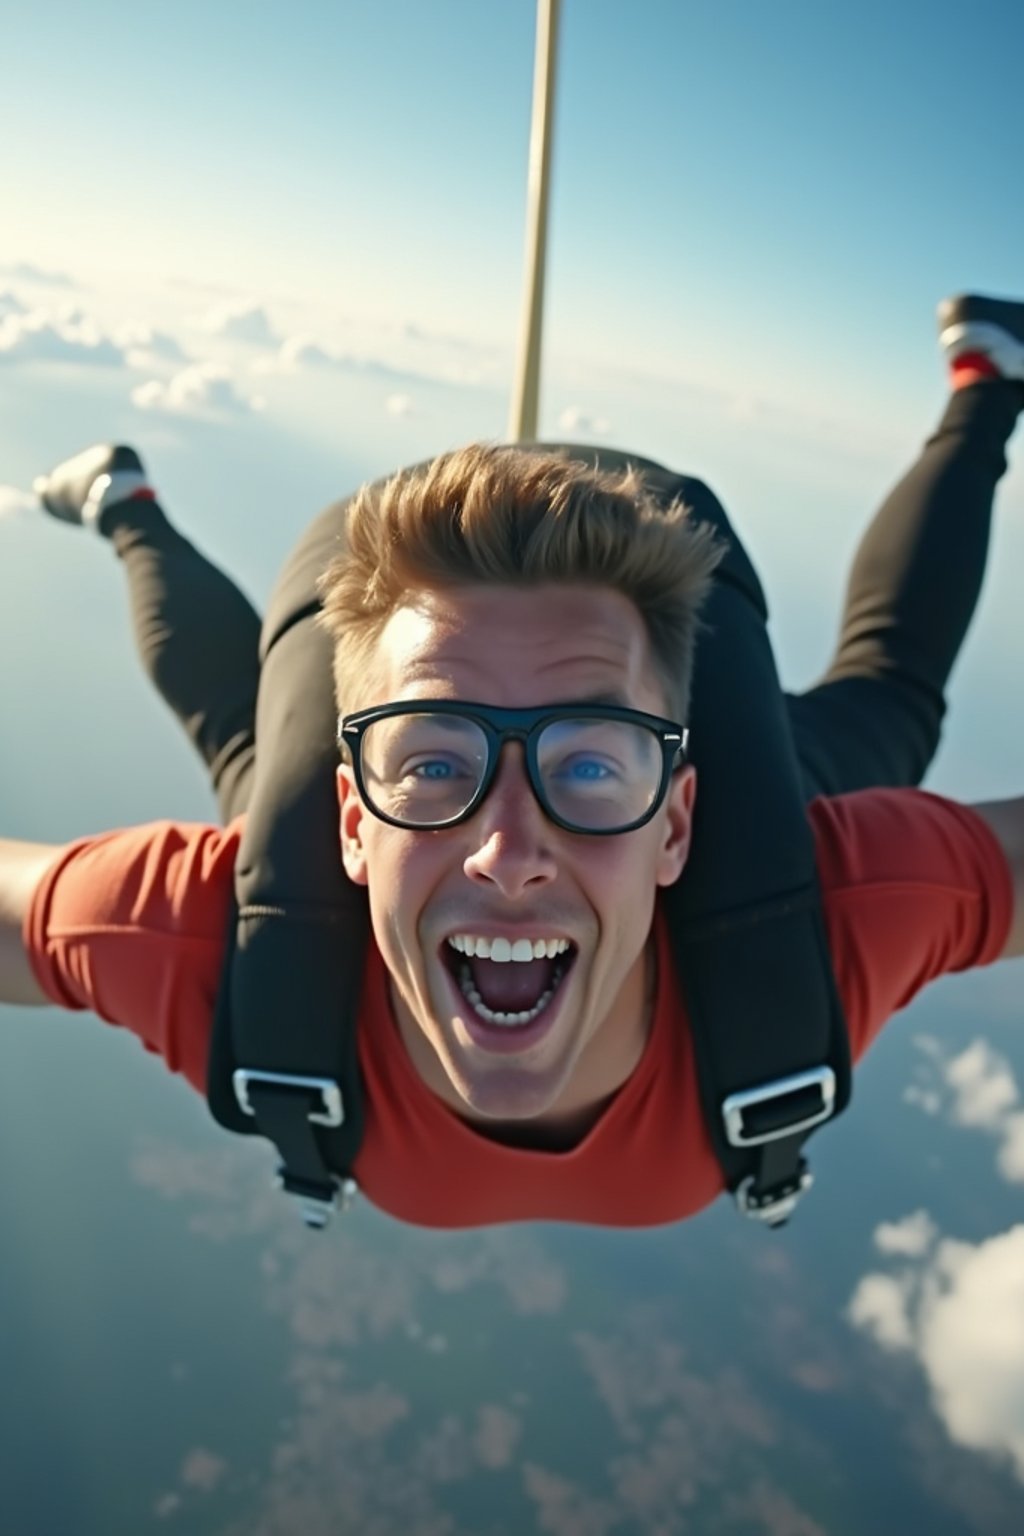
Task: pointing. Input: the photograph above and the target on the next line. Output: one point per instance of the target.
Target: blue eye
(432, 770)
(437, 770)
(586, 770)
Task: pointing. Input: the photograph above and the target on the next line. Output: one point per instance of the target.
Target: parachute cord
(526, 393)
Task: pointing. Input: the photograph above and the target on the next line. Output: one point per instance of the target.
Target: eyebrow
(611, 696)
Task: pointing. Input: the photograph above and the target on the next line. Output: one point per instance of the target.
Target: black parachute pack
(745, 918)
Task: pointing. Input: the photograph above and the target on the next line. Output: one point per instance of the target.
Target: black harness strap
(288, 1007)
(770, 1040)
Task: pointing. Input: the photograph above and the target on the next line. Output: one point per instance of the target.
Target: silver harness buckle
(773, 1210)
(316, 1208)
(736, 1106)
(331, 1114)
(776, 1204)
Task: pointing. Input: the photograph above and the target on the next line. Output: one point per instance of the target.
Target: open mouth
(495, 1002)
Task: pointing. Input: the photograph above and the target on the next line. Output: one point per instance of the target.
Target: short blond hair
(500, 515)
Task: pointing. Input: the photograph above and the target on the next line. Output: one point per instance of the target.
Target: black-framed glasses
(599, 769)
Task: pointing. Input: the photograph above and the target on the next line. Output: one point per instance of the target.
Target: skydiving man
(519, 645)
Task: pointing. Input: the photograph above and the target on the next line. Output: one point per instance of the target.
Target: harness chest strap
(284, 1058)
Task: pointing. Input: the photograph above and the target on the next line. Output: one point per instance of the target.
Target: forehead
(517, 646)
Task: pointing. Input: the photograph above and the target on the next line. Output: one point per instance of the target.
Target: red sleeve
(130, 925)
(915, 887)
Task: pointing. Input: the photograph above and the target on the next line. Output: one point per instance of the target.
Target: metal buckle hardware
(774, 1209)
(735, 1106)
(318, 1209)
(332, 1113)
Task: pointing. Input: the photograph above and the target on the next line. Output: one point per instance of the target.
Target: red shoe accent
(971, 368)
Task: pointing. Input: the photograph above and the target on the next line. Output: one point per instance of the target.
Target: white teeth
(503, 950)
(512, 1020)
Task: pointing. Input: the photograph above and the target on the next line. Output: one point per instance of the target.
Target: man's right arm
(22, 867)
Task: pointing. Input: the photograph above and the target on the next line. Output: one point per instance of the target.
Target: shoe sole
(994, 327)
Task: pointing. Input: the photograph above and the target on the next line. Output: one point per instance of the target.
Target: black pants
(873, 718)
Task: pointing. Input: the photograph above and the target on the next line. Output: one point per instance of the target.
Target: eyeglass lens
(597, 775)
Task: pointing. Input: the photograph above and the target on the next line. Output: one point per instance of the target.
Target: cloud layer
(575, 422)
(959, 1309)
(28, 272)
(248, 323)
(37, 336)
(203, 389)
(977, 1090)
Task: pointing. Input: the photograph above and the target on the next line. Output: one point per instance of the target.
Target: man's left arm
(1005, 820)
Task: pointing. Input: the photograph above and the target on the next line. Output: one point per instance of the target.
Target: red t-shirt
(131, 925)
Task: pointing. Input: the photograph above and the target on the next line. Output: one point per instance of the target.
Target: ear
(351, 813)
(678, 825)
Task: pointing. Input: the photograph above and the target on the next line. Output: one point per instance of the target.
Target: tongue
(512, 987)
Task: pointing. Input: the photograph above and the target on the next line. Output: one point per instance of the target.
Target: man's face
(509, 871)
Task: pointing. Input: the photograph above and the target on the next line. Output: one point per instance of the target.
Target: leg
(196, 635)
(875, 716)
(198, 639)
(291, 833)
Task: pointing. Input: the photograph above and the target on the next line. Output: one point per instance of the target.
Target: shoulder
(130, 899)
(914, 887)
(131, 925)
(887, 838)
(172, 875)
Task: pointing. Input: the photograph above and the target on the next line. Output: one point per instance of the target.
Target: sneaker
(969, 324)
(82, 488)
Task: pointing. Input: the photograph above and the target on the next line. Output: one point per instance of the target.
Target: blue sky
(288, 252)
(280, 249)
(740, 189)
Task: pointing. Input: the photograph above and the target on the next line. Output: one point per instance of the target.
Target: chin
(505, 1093)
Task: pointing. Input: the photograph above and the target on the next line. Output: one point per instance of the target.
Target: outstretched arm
(22, 866)
(1005, 820)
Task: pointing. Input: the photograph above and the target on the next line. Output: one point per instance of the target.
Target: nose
(513, 840)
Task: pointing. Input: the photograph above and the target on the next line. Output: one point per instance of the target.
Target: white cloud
(1010, 1159)
(978, 1089)
(880, 1307)
(983, 1085)
(913, 1235)
(925, 1099)
(10, 304)
(961, 1313)
(296, 353)
(37, 336)
(302, 352)
(577, 423)
(972, 1342)
(144, 347)
(399, 405)
(203, 1470)
(201, 390)
(497, 1434)
(243, 322)
(15, 503)
(27, 272)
